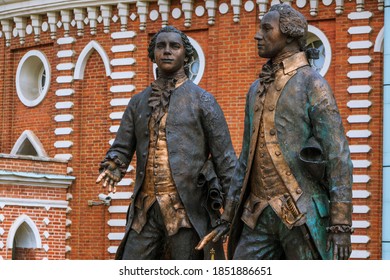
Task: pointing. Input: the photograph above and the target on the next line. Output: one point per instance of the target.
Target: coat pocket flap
(250, 203)
(322, 204)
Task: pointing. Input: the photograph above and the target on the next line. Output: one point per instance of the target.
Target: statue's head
(170, 35)
(282, 30)
(292, 23)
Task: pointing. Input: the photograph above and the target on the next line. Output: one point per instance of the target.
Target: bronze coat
(306, 109)
(195, 129)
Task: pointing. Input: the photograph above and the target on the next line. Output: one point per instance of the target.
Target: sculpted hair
(292, 23)
(189, 49)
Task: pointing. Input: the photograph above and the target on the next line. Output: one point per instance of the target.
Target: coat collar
(294, 62)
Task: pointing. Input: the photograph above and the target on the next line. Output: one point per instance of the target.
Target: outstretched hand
(219, 232)
(341, 242)
(110, 176)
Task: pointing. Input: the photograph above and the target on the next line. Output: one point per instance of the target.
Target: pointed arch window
(28, 144)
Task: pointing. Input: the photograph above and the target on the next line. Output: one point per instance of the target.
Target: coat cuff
(229, 210)
(341, 213)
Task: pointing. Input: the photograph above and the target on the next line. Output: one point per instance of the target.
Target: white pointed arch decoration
(378, 47)
(84, 56)
(33, 140)
(35, 239)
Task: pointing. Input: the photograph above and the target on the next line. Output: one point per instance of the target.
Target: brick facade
(232, 64)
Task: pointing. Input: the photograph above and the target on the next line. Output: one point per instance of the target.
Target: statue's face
(169, 53)
(270, 40)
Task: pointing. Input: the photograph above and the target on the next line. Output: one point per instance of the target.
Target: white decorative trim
(63, 131)
(176, 13)
(356, 149)
(361, 163)
(360, 194)
(64, 105)
(359, 104)
(328, 49)
(122, 88)
(64, 118)
(360, 209)
(28, 76)
(123, 48)
(66, 40)
(360, 254)
(122, 61)
(116, 115)
(359, 15)
(64, 79)
(359, 74)
(361, 224)
(123, 35)
(359, 59)
(15, 226)
(66, 157)
(359, 119)
(34, 140)
(359, 45)
(118, 209)
(112, 249)
(361, 178)
(122, 75)
(360, 239)
(378, 47)
(359, 30)
(84, 56)
(115, 235)
(359, 89)
(117, 222)
(65, 66)
(64, 92)
(114, 128)
(126, 182)
(63, 144)
(35, 179)
(66, 54)
(223, 8)
(120, 195)
(119, 102)
(362, 133)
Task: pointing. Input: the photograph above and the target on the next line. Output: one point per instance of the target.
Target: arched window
(317, 39)
(33, 78)
(28, 144)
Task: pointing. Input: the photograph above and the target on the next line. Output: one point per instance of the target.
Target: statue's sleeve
(329, 131)
(123, 147)
(218, 138)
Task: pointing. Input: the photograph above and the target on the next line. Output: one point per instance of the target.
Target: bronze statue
(293, 179)
(176, 129)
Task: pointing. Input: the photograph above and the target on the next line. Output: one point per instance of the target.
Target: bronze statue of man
(293, 179)
(174, 127)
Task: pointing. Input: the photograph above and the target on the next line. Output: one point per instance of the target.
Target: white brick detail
(359, 119)
(122, 75)
(63, 131)
(66, 40)
(63, 144)
(356, 149)
(123, 35)
(64, 105)
(116, 115)
(115, 236)
(65, 157)
(122, 61)
(360, 209)
(359, 74)
(63, 118)
(360, 194)
(359, 15)
(359, 89)
(123, 48)
(364, 133)
(118, 209)
(64, 92)
(359, 104)
(123, 88)
(65, 66)
(361, 178)
(360, 239)
(360, 224)
(359, 30)
(361, 163)
(117, 222)
(359, 59)
(64, 79)
(119, 102)
(358, 45)
(64, 54)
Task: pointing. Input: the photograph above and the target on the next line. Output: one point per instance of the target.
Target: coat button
(271, 108)
(277, 153)
(141, 173)
(288, 173)
(146, 133)
(272, 131)
(298, 191)
(144, 154)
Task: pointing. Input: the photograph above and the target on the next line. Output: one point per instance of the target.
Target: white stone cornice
(263, 7)
(163, 8)
(236, 4)
(47, 204)
(21, 23)
(142, 10)
(79, 16)
(52, 19)
(92, 16)
(36, 22)
(7, 30)
(123, 13)
(66, 18)
(188, 7)
(35, 179)
(106, 11)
